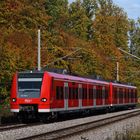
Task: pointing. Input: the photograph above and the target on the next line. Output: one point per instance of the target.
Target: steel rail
(16, 126)
(64, 132)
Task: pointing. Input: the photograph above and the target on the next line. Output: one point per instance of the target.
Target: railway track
(16, 126)
(71, 130)
(11, 126)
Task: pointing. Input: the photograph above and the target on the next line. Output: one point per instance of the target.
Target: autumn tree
(78, 21)
(134, 37)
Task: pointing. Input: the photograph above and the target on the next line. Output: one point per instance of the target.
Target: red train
(45, 94)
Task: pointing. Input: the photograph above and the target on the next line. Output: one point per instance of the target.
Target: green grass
(129, 135)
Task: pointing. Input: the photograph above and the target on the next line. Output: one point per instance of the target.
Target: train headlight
(43, 99)
(14, 99)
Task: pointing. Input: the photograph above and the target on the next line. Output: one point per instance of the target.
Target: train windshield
(29, 87)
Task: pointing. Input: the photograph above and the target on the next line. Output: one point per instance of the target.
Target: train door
(80, 95)
(66, 90)
(73, 101)
(84, 95)
(58, 95)
(103, 95)
(94, 96)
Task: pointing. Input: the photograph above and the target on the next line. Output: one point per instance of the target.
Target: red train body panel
(51, 92)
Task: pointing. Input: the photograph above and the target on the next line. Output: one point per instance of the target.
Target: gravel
(115, 131)
(29, 131)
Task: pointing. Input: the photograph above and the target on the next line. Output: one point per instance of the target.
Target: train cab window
(59, 93)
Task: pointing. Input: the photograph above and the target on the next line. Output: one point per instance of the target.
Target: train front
(29, 94)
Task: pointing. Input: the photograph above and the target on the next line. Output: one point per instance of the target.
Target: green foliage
(134, 36)
(78, 21)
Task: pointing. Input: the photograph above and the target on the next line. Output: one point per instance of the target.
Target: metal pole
(39, 56)
(117, 71)
(129, 53)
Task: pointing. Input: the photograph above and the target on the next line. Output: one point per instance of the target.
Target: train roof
(71, 77)
(75, 78)
(123, 85)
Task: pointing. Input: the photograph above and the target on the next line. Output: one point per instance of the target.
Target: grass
(129, 135)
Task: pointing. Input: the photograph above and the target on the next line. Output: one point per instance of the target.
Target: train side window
(103, 92)
(135, 93)
(59, 93)
(99, 92)
(129, 93)
(97, 95)
(80, 93)
(90, 93)
(70, 93)
(84, 95)
(132, 93)
(73, 93)
(125, 92)
(115, 93)
(106, 93)
(76, 92)
(120, 93)
(94, 92)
